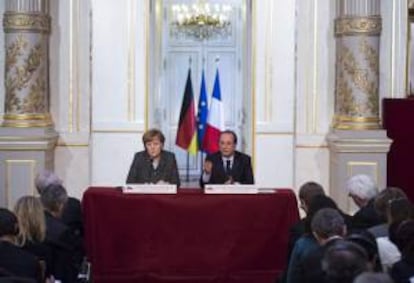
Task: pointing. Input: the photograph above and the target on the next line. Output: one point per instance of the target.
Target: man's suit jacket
(72, 216)
(142, 171)
(241, 170)
(67, 249)
(366, 217)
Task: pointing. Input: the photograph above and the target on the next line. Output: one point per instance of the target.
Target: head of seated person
(367, 241)
(317, 203)
(328, 224)
(153, 141)
(46, 178)
(306, 193)
(384, 200)
(31, 218)
(54, 198)
(227, 143)
(361, 188)
(343, 261)
(9, 227)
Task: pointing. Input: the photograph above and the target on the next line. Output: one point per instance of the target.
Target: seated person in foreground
(154, 164)
(13, 260)
(227, 166)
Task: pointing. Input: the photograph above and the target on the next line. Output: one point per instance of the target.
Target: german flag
(187, 126)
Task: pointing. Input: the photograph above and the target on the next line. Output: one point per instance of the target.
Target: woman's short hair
(362, 186)
(46, 178)
(54, 197)
(31, 217)
(151, 134)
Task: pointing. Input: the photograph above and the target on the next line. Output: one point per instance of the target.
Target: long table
(188, 237)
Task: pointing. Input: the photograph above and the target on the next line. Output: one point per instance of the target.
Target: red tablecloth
(188, 237)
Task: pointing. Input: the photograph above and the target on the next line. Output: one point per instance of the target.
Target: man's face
(227, 145)
(153, 148)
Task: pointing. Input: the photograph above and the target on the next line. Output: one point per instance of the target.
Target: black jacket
(19, 262)
(142, 171)
(241, 170)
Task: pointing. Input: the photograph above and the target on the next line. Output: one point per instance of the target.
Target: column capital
(355, 25)
(26, 22)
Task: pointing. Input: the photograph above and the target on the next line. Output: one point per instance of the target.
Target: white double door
(225, 54)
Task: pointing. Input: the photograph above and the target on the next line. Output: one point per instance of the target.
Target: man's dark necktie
(228, 167)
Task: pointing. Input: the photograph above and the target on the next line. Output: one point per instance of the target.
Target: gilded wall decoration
(358, 26)
(23, 76)
(370, 54)
(360, 77)
(33, 22)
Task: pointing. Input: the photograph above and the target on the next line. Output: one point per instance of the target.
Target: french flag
(215, 120)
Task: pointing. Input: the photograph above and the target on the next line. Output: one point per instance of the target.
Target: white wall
(294, 53)
(70, 91)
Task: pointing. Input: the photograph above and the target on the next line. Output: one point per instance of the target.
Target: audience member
(343, 261)
(306, 193)
(388, 252)
(362, 190)
(307, 241)
(382, 207)
(32, 230)
(327, 226)
(66, 246)
(14, 260)
(403, 270)
(72, 212)
(367, 241)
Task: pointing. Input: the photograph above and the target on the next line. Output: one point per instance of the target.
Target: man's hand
(208, 167)
(229, 181)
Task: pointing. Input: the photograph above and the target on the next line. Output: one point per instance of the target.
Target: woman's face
(154, 148)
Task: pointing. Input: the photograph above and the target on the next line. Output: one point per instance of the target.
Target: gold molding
(315, 97)
(351, 164)
(253, 11)
(27, 120)
(370, 25)
(356, 123)
(106, 131)
(63, 144)
(26, 117)
(26, 22)
(131, 31)
(32, 163)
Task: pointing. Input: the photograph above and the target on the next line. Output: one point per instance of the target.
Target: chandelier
(201, 20)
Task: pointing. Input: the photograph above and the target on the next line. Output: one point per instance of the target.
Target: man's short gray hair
(362, 186)
(328, 222)
(46, 178)
(53, 197)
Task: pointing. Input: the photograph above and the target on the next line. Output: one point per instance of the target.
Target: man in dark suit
(154, 164)
(227, 166)
(72, 212)
(67, 247)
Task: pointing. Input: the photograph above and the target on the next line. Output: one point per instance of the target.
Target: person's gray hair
(46, 178)
(328, 222)
(53, 197)
(362, 186)
(373, 277)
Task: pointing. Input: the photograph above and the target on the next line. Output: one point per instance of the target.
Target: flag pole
(187, 171)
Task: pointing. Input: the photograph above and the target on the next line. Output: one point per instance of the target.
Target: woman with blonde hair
(32, 229)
